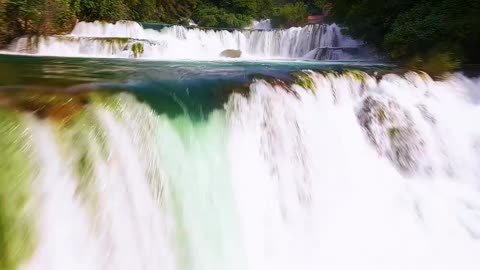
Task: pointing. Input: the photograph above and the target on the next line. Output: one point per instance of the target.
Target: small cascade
(86, 46)
(99, 39)
(265, 24)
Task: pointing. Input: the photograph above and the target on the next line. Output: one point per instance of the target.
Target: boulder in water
(231, 53)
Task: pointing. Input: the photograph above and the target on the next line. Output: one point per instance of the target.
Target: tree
(105, 10)
(290, 15)
(264, 9)
(211, 16)
(415, 30)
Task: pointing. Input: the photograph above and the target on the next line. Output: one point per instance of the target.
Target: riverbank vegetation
(419, 33)
(42, 17)
(434, 35)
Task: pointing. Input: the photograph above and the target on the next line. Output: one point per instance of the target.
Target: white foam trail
(116, 40)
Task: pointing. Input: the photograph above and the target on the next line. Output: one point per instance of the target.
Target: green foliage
(104, 10)
(137, 49)
(172, 11)
(184, 22)
(416, 31)
(210, 16)
(141, 10)
(247, 7)
(17, 239)
(231, 13)
(4, 29)
(290, 15)
(264, 9)
(20, 17)
(435, 64)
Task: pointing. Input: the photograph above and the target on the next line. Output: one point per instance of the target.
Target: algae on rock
(17, 229)
(137, 50)
(305, 80)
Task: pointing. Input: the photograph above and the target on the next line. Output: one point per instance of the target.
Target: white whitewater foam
(265, 24)
(99, 39)
(314, 194)
(279, 179)
(120, 224)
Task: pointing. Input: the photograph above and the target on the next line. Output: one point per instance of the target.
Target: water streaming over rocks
(99, 39)
(330, 171)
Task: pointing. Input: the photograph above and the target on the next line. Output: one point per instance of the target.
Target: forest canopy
(435, 31)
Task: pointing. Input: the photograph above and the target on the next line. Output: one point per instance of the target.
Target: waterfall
(265, 24)
(329, 171)
(121, 39)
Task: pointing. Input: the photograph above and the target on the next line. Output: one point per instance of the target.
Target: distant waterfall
(123, 38)
(262, 25)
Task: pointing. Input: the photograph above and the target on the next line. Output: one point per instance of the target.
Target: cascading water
(265, 24)
(329, 171)
(129, 39)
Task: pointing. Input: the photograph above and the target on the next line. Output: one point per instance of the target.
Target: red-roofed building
(319, 18)
(315, 19)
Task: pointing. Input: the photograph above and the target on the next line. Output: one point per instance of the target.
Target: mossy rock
(243, 89)
(267, 78)
(357, 75)
(121, 43)
(137, 50)
(305, 80)
(59, 106)
(393, 133)
(276, 84)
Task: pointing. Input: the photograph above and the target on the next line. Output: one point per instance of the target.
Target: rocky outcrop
(392, 131)
(137, 50)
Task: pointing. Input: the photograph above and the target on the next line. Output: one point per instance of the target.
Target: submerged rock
(231, 53)
(392, 131)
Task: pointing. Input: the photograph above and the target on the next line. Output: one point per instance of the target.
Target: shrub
(412, 29)
(435, 64)
(290, 15)
(209, 16)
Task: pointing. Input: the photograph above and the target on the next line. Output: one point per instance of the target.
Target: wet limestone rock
(391, 130)
(231, 53)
